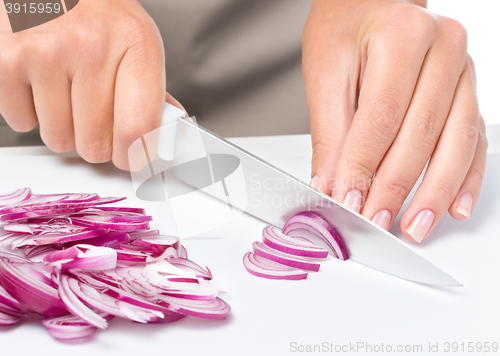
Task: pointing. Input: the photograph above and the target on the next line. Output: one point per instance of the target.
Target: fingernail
(354, 200)
(465, 205)
(420, 225)
(314, 182)
(383, 219)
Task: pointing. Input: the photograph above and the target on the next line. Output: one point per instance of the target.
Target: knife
(252, 185)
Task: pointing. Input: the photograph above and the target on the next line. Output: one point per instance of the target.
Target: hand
(390, 85)
(94, 79)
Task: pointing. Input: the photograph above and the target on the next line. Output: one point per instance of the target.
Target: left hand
(390, 85)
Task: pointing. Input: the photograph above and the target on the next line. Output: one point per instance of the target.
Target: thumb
(169, 99)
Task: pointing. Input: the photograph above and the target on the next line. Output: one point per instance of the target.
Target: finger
(419, 133)
(449, 164)
(330, 81)
(139, 95)
(92, 97)
(173, 101)
(52, 95)
(467, 197)
(390, 77)
(16, 97)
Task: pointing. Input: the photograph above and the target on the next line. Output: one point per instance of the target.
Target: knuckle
(48, 51)
(455, 35)
(88, 37)
(384, 116)
(12, 61)
(398, 188)
(320, 147)
(361, 167)
(425, 126)
(413, 22)
(468, 136)
(139, 32)
(445, 191)
(482, 138)
(476, 174)
(144, 37)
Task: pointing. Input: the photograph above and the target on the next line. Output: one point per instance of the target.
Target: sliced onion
(110, 226)
(156, 243)
(291, 248)
(215, 309)
(30, 284)
(314, 223)
(274, 238)
(183, 252)
(113, 239)
(76, 306)
(262, 267)
(284, 258)
(9, 305)
(67, 257)
(84, 257)
(51, 239)
(57, 201)
(6, 319)
(71, 327)
(15, 197)
(187, 265)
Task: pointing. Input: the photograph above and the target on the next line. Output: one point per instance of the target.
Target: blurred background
(236, 65)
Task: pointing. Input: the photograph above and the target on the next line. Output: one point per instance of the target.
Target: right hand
(94, 79)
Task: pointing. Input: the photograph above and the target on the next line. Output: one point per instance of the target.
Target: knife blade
(273, 196)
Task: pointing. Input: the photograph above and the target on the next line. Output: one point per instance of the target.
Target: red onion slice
(183, 252)
(156, 244)
(69, 327)
(9, 305)
(216, 309)
(275, 239)
(113, 218)
(190, 266)
(84, 257)
(6, 319)
(28, 284)
(262, 267)
(44, 228)
(75, 306)
(58, 201)
(284, 258)
(112, 239)
(125, 227)
(63, 238)
(15, 197)
(314, 223)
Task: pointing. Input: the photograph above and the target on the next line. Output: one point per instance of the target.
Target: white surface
(480, 18)
(344, 303)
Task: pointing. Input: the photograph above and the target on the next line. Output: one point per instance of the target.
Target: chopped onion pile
(289, 253)
(79, 264)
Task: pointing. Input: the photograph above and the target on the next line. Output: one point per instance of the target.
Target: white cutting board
(343, 305)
